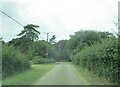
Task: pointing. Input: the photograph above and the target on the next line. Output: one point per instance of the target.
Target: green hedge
(101, 59)
(40, 60)
(13, 61)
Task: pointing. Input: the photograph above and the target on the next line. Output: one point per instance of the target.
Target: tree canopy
(30, 32)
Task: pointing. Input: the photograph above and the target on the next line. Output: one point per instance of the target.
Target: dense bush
(13, 61)
(40, 60)
(0, 61)
(87, 38)
(101, 59)
(40, 48)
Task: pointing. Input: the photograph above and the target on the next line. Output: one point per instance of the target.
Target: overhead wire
(12, 18)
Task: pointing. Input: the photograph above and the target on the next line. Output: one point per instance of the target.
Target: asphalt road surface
(61, 74)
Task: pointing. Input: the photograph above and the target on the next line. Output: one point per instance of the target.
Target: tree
(39, 48)
(86, 38)
(26, 38)
(61, 53)
(30, 32)
(0, 38)
(52, 40)
(1, 41)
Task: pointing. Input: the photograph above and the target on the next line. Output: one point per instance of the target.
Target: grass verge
(30, 76)
(90, 78)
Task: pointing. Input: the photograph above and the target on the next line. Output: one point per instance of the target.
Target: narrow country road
(61, 74)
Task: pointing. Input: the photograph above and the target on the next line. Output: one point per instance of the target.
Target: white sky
(61, 17)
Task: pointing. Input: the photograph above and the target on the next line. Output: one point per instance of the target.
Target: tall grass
(30, 76)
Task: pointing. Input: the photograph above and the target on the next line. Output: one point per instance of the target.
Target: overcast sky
(61, 17)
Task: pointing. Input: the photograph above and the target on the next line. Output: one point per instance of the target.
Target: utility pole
(47, 36)
(47, 43)
(59, 51)
(1, 61)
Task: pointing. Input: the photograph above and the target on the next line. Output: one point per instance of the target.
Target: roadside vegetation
(90, 78)
(20, 53)
(100, 59)
(13, 61)
(96, 52)
(29, 76)
(93, 51)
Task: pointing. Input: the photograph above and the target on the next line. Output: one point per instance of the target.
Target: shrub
(40, 60)
(101, 59)
(13, 61)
